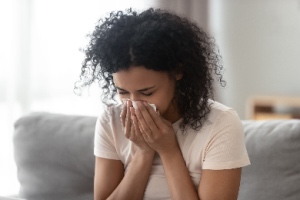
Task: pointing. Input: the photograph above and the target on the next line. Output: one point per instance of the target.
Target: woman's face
(141, 84)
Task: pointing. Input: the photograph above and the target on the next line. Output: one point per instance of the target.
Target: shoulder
(109, 123)
(110, 112)
(107, 132)
(221, 114)
(223, 120)
(225, 145)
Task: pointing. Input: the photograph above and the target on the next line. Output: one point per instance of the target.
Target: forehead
(139, 77)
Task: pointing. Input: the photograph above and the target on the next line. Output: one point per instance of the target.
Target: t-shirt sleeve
(225, 148)
(104, 146)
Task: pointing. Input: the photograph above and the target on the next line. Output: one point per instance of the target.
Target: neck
(172, 114)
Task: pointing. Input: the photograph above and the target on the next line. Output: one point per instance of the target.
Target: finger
(123, 114)
(155, 116)
(132, 133)
(149, 115)
(135, 123)
(127, 121)
(138, 128)
(143, 133)
(146, 123)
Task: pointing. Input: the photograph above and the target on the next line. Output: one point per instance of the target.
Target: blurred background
(40, 58)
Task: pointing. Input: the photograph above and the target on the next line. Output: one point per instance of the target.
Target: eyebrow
(140, 90)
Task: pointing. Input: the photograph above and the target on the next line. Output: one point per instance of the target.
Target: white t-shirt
(218, 145)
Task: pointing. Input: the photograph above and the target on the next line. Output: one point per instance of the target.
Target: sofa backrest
(274, 151)
(54, 156)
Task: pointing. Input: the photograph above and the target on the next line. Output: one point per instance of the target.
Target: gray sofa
(54, 156)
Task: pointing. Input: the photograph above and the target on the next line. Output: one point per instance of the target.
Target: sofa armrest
(54, 156)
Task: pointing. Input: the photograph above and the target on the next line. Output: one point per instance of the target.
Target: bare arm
(178, 177)
(111, 183)
(219, 184)
(110, 180)
(160, 136)
(108, 175)
(214, 184)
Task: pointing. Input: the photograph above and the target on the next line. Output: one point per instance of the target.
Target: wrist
(175, 151)
(145, 154)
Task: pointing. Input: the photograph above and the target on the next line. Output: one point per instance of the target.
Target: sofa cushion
(54, 156)
(274, 151)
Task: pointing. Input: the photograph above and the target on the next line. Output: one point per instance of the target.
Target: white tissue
(135, 106)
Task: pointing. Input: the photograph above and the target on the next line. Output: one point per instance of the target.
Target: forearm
(135, 180)
(179, 181)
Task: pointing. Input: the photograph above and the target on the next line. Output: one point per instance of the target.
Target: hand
(157, 132)
(131, 127)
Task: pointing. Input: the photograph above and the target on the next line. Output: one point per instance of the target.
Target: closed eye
(122, 92)
(145, 94)
(144, 91)
(148, 94)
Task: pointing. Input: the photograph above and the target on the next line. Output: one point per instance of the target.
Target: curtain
(40, 61)
(205, 14)
(196, 10)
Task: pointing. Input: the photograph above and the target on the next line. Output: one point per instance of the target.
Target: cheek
(163, 101)
(123, 96)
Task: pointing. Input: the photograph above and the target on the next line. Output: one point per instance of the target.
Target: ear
(178, 72)
(178, 76)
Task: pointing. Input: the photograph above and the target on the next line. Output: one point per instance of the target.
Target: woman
(187, 146)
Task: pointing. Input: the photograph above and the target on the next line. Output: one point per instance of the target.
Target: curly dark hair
(159, 40)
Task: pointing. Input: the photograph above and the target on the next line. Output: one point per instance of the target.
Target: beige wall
(260, 44)
(259, 41)
(196, 10)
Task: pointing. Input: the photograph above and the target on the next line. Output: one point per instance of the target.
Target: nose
(135, 97)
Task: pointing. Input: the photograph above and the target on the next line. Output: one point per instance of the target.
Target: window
(40, 61)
